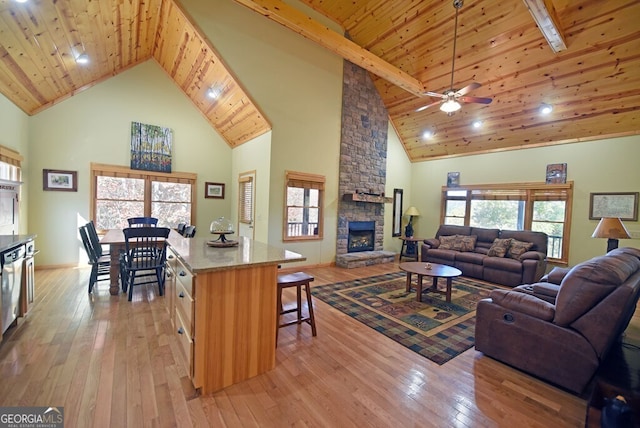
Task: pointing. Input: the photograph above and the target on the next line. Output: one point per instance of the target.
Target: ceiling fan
(450, 99)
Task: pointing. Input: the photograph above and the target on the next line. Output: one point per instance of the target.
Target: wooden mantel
(363, 197)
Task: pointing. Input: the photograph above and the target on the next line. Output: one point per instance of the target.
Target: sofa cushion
(449, 242)
(485, 236)
(539, 239)
(471, 257)
(439, 255)
(467, 243)
(518, 248)
(499, 247)
(589, 282)
(503, 264)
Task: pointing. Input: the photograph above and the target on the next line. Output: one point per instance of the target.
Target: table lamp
(411, 212)
(613, 229)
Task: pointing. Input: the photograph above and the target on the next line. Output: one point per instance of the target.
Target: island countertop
(10, 241)
(200, 257)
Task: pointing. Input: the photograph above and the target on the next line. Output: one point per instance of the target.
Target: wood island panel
(235, 336)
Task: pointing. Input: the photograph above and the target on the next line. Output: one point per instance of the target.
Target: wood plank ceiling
(41, 39)
(593, 85)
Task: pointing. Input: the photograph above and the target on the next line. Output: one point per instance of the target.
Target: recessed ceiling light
(20, 1)
(213, 93)
(477, 124)
(546, 108)
(83, 58)
(428, 134)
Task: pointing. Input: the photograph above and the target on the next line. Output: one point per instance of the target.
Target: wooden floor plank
(111, 362)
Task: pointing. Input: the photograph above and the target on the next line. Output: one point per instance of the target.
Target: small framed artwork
(453, 179)
(63, 181)
(556, 173)
(214, 190)
(397, 212)
(623, 205)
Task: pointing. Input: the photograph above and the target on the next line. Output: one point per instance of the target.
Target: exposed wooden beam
(545, 16)
(304, 25)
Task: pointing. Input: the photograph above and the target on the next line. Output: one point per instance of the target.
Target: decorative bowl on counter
(221, 227)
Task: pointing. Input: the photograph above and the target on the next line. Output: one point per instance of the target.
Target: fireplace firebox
(361, 236)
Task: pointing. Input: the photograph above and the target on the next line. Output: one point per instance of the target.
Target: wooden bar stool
(297, 280)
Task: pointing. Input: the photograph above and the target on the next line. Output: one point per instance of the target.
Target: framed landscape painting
(623, 205)
(63, 181)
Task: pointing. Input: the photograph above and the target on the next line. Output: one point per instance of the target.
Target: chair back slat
(142, 221)
(91, 254)
(94, 238)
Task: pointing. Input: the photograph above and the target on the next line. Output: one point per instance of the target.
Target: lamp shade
(412, 211)
(611, 227)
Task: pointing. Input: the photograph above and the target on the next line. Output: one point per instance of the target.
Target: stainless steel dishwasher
(12, 261)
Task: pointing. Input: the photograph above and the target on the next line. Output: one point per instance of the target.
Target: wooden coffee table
(436, 271)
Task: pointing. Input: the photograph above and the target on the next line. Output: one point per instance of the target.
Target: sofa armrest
(432, 242)
(524, 303)
(556, 275)
(546, 289)
(533, 255)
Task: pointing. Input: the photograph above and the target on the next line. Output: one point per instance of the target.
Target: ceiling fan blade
(480, 100)
(419, 109)
(435, 94)
(470, 87)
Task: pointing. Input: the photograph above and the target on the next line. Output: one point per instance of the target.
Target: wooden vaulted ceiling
(593, 84)
(41, 39)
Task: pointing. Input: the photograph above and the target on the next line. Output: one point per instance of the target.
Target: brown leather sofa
(470, 249)
(563, 341)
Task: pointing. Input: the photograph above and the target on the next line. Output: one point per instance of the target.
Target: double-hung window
(118, 193)
(527, 206)
(303, 218)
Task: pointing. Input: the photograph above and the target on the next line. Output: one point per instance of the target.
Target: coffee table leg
(419, 289)
(408, 282)
(449, 289)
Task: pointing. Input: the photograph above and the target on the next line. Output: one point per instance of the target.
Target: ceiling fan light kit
(450, 100)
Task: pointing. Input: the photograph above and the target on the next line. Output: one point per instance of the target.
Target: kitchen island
(222, 303)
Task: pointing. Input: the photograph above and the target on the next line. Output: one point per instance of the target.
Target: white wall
(14, 134)
(254, 156)
(94, 126)
(598, 166)
(298, 86)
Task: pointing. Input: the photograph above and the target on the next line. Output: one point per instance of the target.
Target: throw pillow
(518, 248)
(468, 243)
(499, 247)
(447, 242)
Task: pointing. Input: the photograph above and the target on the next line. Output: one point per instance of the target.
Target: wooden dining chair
(100, 264)
(142, 221)
(189, 231)
(144, 258)
(95, 239)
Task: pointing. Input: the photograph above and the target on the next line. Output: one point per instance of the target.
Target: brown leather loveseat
(562, 342)
(507, 257)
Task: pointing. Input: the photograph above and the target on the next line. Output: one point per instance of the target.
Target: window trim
(314, 181)
(98, 169)
(530, 192)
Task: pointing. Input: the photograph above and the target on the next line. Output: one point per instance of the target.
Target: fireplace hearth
(361, 236)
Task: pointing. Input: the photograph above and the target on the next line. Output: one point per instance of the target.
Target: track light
(213, 93)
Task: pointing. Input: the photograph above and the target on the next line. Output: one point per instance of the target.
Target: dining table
(115, 239)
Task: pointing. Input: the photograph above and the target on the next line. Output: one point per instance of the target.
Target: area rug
(433, 328)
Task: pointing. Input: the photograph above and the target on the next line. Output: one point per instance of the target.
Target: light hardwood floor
(113, 363)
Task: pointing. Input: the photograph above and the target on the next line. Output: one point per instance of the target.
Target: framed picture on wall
(623, 205)
(214, 190)
(62, 181)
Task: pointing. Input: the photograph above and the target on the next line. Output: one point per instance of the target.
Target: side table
(410, 248)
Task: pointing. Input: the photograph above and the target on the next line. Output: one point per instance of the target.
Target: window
(529, 206)
(303, 206)
(245, 210)
(119, 193)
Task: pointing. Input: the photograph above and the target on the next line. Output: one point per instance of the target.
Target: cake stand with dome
(221, 227)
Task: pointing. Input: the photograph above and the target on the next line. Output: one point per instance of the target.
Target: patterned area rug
(433, 328)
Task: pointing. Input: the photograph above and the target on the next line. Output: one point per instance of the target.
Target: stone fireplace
(361, 236)
(363, 170)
